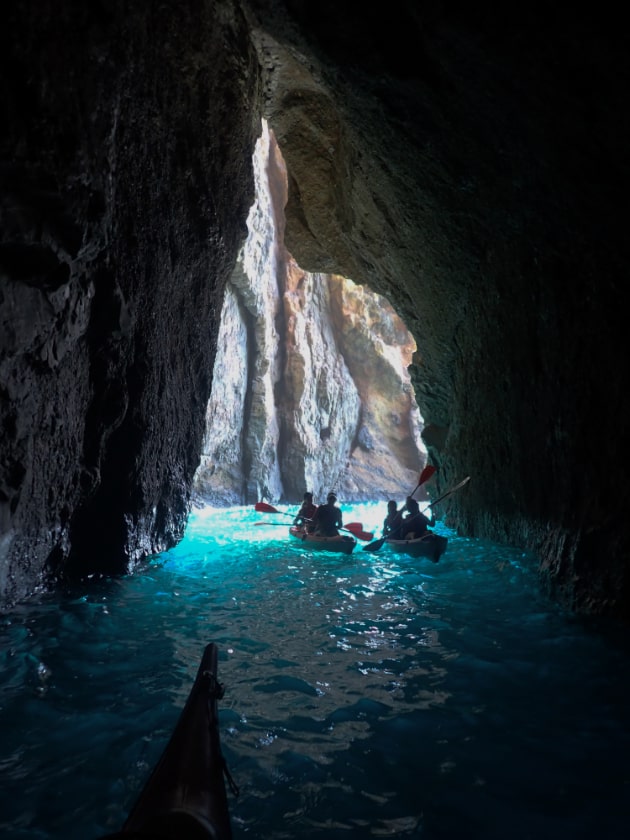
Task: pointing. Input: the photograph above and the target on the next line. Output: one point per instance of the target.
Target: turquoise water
(370, 695)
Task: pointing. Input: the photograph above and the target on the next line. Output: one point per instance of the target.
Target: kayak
(185, 795)
(338, 543)
(430, 545)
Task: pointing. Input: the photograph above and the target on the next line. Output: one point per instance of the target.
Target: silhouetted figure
(415, 524)
(328, 518)
(306, 513)
(393, 520)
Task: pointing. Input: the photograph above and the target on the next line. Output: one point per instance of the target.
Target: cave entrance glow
(310, 387)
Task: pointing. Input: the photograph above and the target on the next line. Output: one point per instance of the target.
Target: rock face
(121, 217)
(310, 386)
(470, 168)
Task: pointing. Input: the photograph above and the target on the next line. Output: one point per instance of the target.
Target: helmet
(331, 497)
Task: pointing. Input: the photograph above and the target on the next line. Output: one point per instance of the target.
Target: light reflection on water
(366, 696)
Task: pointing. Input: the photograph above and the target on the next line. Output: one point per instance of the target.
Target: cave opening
(310, 387)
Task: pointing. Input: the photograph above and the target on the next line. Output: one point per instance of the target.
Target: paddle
(378, 543)
(452, 490)
(354, 528)
(263, 507)
(425, 475)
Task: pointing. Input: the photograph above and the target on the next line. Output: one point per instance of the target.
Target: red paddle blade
(263, 507)
(355, 528)
(426, 473)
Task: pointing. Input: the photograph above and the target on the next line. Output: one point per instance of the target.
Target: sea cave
(468, 167)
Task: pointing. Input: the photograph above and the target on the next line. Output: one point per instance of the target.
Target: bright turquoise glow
(369, 695)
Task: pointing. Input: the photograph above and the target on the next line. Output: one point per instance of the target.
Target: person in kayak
(415, 525)
(393, 520)
(306, 513)
(328, 519)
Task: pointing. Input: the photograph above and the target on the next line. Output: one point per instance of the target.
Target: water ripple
(370, 695)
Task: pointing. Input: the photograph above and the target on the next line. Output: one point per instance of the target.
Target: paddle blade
(355, 527)
(263, 507)
(426, 473)
(359, 533)
(374, 546)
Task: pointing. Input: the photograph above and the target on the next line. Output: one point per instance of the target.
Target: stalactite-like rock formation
(311, 389)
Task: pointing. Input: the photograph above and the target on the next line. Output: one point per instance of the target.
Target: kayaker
(393, 520)
(306, 513)
(415, 524)
(328, 518)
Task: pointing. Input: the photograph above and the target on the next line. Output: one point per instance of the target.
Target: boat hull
(431, 546)
(337, 544)
(185, 795)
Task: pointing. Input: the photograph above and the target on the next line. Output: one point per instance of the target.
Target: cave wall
(470, 165)
(125, 163)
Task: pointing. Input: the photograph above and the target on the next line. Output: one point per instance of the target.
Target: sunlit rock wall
(320, 403)
(240, 450)
(221, 473)
(388, 450)
(311, 389)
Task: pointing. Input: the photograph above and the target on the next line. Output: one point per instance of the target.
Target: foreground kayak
(185, 796)
(337, 543)
(431, 546)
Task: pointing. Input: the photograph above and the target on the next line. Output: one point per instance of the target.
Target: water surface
(371, 695)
